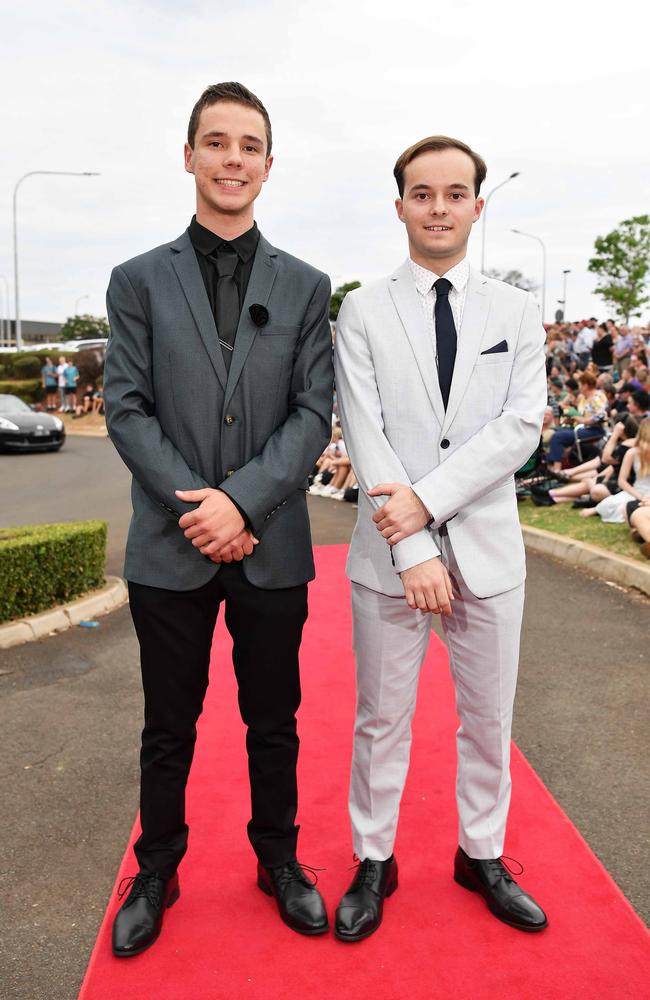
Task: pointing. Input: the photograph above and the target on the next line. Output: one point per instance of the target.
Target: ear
(188, 154)
(399, 207)
(478, 208)
(267, 168)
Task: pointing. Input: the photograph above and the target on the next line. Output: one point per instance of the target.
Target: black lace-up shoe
(299, 901)
(360, 912)
(505, 898)
(139, 920)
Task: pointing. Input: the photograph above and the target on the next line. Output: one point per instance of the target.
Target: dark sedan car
(21, 429)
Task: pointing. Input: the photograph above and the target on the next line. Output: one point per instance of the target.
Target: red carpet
(223, 940)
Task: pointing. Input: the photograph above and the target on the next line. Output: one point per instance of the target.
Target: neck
(228, 226)
(439, 265)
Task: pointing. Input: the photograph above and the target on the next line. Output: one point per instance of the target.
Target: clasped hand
(215, 527)
(402, 515)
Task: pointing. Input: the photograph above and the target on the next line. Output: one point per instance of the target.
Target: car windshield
(12, 404)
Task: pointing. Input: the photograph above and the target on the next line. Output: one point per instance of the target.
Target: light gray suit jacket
(167, 397)
(459, 462)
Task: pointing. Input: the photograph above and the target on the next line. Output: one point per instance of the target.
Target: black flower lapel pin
(259, 314)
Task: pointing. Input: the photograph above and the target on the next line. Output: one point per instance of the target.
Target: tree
(622, 263)
(84, 327)
(338, 295)
(513, 277)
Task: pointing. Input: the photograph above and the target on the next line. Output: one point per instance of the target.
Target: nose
(233, 156)
(438, 206)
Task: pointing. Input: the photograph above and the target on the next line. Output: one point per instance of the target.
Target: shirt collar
(424, 279)
(207, 242)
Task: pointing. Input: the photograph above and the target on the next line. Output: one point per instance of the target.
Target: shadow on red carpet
(223, 939)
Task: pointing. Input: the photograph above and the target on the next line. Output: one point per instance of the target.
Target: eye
(457, 195)
(250, 149)
(215, 142)
(421, 196)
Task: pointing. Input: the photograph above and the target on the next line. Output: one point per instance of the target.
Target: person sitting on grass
(637, 511)
(85, 406)
(593, 480)
(98, 397)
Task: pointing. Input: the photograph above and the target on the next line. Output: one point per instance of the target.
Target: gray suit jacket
(169, 404)
(460, 461)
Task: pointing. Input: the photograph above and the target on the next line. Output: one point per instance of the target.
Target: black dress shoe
(505, 898)
(542, 498)
(299, 901)
(359, 913)
(584, 503)
(139, 920)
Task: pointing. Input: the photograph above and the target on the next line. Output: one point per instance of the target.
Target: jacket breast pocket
(504, 358)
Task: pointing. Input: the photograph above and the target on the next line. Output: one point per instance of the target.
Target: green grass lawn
(563, 520)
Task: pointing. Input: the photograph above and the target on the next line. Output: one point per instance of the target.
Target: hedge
(42, 565)
(30, 390)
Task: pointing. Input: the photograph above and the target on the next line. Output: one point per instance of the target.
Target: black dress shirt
(206, 242)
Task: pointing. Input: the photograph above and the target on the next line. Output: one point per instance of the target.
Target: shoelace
(141, 885)
(366, 871)
(293, 871)
(501, 866)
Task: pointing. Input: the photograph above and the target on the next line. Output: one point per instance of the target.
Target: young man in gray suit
(218, 390)
(441, 389)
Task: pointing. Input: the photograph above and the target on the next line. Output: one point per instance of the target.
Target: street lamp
(515, 174)
(32, 173)
(532, 236)
(76, 305)
(5, 323)
(564, 274)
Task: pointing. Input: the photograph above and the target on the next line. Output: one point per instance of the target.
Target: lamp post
(564, 274)
(5, 323)
(532, 236)
(513, 175)
(77, 301)
(32, 173)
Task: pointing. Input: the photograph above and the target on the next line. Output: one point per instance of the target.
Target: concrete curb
(98, 602)
(590, 558)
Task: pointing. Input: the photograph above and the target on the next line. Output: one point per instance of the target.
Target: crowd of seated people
(595, 447)
(333, 476)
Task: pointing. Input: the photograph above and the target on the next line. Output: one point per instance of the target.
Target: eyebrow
(220, 135)
(427, 187)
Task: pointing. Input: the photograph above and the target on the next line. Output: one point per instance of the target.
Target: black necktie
(227, 304)
(445, 337)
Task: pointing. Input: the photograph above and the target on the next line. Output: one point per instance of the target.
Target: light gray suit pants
(390, 644)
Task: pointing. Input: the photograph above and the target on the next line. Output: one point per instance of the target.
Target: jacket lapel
(265, 268)
(406, 299)
(189, 274)
(475, 313)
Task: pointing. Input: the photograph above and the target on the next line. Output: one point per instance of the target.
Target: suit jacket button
(444, 443)
(229, 419)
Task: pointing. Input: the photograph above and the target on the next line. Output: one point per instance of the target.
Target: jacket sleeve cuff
(414, 550)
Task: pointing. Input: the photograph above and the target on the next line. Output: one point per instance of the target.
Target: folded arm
(501, 446)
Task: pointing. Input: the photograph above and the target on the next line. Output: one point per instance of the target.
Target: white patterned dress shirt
(424, 280)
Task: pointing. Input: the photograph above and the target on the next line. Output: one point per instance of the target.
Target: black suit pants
(174, 629)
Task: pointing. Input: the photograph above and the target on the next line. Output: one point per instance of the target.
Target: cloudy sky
(557, 91)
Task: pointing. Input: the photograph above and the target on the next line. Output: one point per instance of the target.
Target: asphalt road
(70, 715)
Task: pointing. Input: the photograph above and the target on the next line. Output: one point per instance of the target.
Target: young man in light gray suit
(218, 390)
(441, 388)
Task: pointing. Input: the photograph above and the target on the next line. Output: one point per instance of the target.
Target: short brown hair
(236, 93)
(434, 143)
(587, 378)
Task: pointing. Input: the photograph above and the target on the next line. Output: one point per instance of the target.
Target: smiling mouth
(229, 182)
(438, 229)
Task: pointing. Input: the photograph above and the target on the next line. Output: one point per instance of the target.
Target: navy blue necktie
(445, 337)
